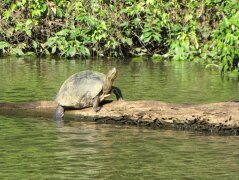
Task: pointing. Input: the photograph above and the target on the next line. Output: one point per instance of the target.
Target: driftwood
(220, 118)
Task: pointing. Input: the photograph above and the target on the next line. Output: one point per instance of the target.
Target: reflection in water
(35, 148)
(180, 82)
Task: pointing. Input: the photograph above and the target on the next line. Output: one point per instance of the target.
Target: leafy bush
(206, 30)
(225, 43)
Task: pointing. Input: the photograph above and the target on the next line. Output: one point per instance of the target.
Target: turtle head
(110, 77)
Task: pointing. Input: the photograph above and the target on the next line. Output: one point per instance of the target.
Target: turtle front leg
(117, 93)
(96, 102)
(59, 112)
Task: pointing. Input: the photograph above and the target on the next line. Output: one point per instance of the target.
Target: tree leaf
(28, 32)
(4, 44)
(53, 50)
(17, 51)
(72, 51)
(35, 44)
(63, 32)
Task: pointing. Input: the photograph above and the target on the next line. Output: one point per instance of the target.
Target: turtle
(84, 89)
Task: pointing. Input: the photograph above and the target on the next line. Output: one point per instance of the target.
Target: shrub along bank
(206, 30)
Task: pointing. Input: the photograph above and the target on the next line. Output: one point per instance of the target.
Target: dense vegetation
(206, 30)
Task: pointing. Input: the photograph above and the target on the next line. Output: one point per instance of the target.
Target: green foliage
(66, 44)
(206, 30)
(4, 46)
(225, 43)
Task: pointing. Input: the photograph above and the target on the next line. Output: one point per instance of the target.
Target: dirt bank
(219, 118)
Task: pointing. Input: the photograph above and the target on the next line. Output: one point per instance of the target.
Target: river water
(34, 148)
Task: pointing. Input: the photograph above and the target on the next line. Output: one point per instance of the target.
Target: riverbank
(123, 29)
(214, 118)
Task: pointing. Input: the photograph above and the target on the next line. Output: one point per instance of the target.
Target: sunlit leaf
(6, 15)
(59, 12)
(129, 41)
(53, 50)
(63, 32)
(35, 44)
(72, 51)
(17, 51)
(4, 44)
(51, 41)
(28, 32)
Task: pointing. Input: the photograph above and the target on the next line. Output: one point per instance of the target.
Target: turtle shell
(80, 89)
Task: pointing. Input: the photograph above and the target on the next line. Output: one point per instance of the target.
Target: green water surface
(35, 148)
(178, 82)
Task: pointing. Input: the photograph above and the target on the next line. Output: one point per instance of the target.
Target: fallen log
(219, 118)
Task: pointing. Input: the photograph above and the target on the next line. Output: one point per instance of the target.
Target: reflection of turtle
(84, 89)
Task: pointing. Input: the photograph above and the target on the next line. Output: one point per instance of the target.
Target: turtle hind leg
(59, 112)
(96, 102)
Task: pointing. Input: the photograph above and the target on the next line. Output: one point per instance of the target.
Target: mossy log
(219, 118)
